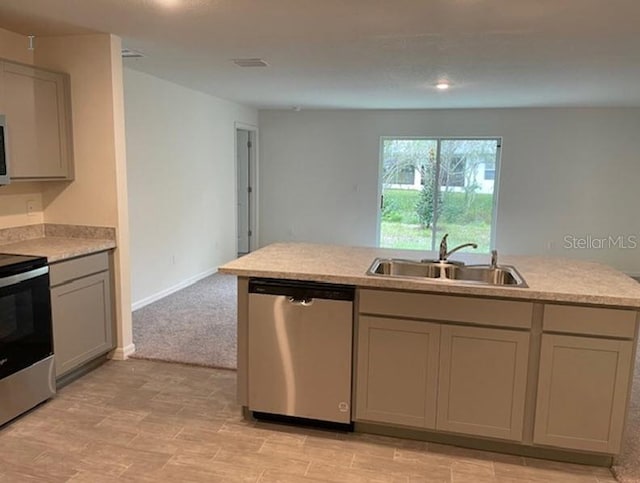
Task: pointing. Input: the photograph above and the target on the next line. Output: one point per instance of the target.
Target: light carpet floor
(196, 325)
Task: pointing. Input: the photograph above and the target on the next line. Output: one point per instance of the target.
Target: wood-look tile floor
(143, 421)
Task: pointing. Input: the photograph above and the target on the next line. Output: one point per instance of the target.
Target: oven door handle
(21, 277)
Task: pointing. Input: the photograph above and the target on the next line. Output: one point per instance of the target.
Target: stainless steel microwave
(4, 155)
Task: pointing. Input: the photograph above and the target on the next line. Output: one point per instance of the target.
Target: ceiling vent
(131, 54)
(249, 62)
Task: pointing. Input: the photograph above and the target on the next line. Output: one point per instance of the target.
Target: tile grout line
(306, 471)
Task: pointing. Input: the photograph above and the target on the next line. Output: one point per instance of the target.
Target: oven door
(25, 320)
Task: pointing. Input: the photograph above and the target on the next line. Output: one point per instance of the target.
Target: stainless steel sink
(503, 275)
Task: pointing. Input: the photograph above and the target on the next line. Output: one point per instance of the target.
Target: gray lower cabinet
(461, 365)
(81, 310)
(482, 382)
(582, 392)
(397, 371)
(431, 366)
(475, 376)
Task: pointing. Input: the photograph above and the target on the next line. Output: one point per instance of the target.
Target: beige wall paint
(91, 199)
(14, 47)
(97, 196)
(122, 261)
(14, 197)
(564, 172)
(181, 173)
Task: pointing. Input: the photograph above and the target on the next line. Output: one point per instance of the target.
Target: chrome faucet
(445, 253)
(494, 259)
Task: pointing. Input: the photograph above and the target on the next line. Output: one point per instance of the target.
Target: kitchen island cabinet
(474, 375)
(541, 371)
(397, 371)
(586, 362)
(482, 383)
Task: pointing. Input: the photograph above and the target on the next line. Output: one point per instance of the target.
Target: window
(402, 175)
(490, 172)
(398, 172)
(448, 186)
(454, 170)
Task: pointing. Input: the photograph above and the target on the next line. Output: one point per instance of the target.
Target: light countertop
(549, 279)
(57, 248)
(56, 241)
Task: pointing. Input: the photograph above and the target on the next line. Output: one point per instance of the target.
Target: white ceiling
(370, 53)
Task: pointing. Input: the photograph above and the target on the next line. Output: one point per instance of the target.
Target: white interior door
(244, 190)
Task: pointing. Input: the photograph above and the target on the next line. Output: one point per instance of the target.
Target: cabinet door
(35, 103)
(82, 324)
(483, 374)
(397, 371)
(582, 392)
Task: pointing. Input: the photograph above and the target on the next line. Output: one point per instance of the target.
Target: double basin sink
(451, 272)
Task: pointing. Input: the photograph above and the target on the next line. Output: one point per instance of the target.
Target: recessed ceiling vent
(249, 62)
(131, 54)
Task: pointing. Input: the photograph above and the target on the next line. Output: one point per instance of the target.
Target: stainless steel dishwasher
(300, 342)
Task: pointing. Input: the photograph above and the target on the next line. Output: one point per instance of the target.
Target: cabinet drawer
(67, 270)
(503, 313)
(589, 321)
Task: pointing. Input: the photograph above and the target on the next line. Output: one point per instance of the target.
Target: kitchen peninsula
(543, 371)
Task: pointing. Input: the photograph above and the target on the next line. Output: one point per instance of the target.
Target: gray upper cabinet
(81, 311)
(582, 392)
(482, 384)
(37, 107)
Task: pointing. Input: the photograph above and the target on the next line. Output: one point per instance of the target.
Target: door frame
(254, 215)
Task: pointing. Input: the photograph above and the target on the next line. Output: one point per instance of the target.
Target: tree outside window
(436, 185)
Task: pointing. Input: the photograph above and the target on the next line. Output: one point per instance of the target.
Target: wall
(14, 197)
(98, 194)
(91, 198)
(181, 172)
(564, 172)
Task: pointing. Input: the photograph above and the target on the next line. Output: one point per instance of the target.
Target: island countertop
(549, 279)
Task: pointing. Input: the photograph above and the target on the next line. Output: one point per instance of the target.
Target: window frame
(496, 181)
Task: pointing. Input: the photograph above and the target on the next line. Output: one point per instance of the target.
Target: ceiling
(369, 53)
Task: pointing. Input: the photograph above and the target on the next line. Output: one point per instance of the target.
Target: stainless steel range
(26, 342)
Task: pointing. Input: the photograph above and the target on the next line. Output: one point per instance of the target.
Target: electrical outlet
(31, 208)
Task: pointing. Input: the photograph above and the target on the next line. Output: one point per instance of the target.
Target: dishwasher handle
(299, 290)
(302, 302)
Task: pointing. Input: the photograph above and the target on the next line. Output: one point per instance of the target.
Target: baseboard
(168, 291)
(123, 353)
